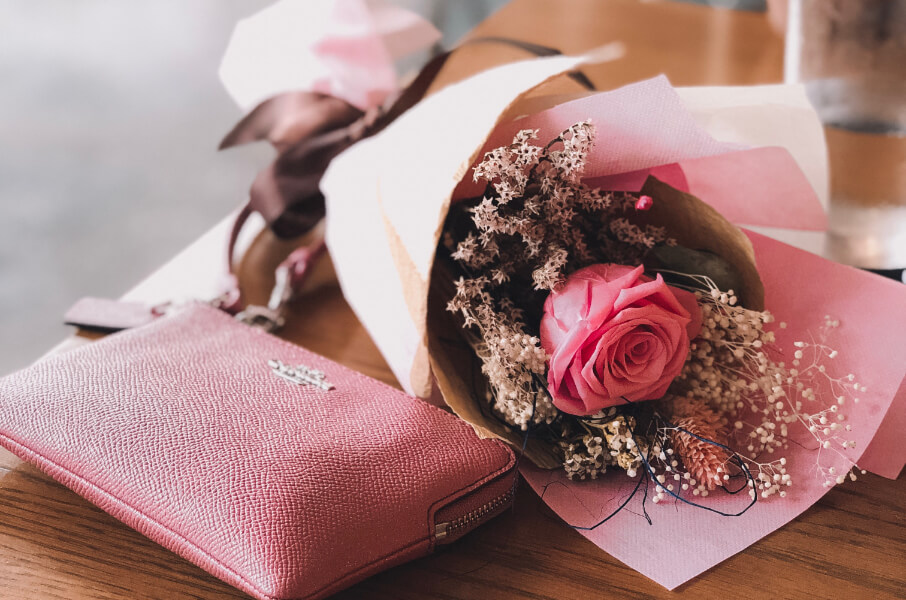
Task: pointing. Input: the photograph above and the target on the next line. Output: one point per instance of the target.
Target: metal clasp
(262, 317)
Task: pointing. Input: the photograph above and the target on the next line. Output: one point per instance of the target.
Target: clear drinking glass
(851, 56)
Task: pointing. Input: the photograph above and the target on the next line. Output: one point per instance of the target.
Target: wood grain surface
(851, 544)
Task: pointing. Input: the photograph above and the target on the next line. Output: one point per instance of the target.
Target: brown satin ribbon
(309, 129)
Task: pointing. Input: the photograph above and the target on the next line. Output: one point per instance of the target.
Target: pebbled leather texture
(181, 430)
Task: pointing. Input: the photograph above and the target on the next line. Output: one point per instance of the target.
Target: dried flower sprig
(696, 422)
(606, 439)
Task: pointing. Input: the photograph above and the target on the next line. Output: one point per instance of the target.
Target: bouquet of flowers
(611, 329)
(573, 281)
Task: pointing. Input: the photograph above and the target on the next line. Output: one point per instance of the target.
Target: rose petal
(567, 398)
(615, 335)
(602, 304)
(641, 352)
(596, 368)
(690, 303)
(562, 353)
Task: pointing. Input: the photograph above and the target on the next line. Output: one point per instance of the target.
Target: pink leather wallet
(275, 469)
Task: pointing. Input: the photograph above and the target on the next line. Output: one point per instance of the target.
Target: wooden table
(852, 544)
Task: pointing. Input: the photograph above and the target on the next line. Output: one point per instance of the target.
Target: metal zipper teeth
(442, 530)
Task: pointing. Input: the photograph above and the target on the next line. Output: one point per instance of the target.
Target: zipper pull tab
(440, 530)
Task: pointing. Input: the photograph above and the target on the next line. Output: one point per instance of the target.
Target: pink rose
(613, 333)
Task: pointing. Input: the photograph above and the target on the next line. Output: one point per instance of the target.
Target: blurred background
(110, 116)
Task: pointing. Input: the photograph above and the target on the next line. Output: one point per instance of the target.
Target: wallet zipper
(472, 518)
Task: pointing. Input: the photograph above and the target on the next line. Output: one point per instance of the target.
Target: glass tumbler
(851, 57)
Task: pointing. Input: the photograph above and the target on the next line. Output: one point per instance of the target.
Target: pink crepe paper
(684, 541)
(644, 129)
(885, 455)
(345, 48)
(748, 187)
(638, 126)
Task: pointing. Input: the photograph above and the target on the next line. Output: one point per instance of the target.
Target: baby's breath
(734, 367)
